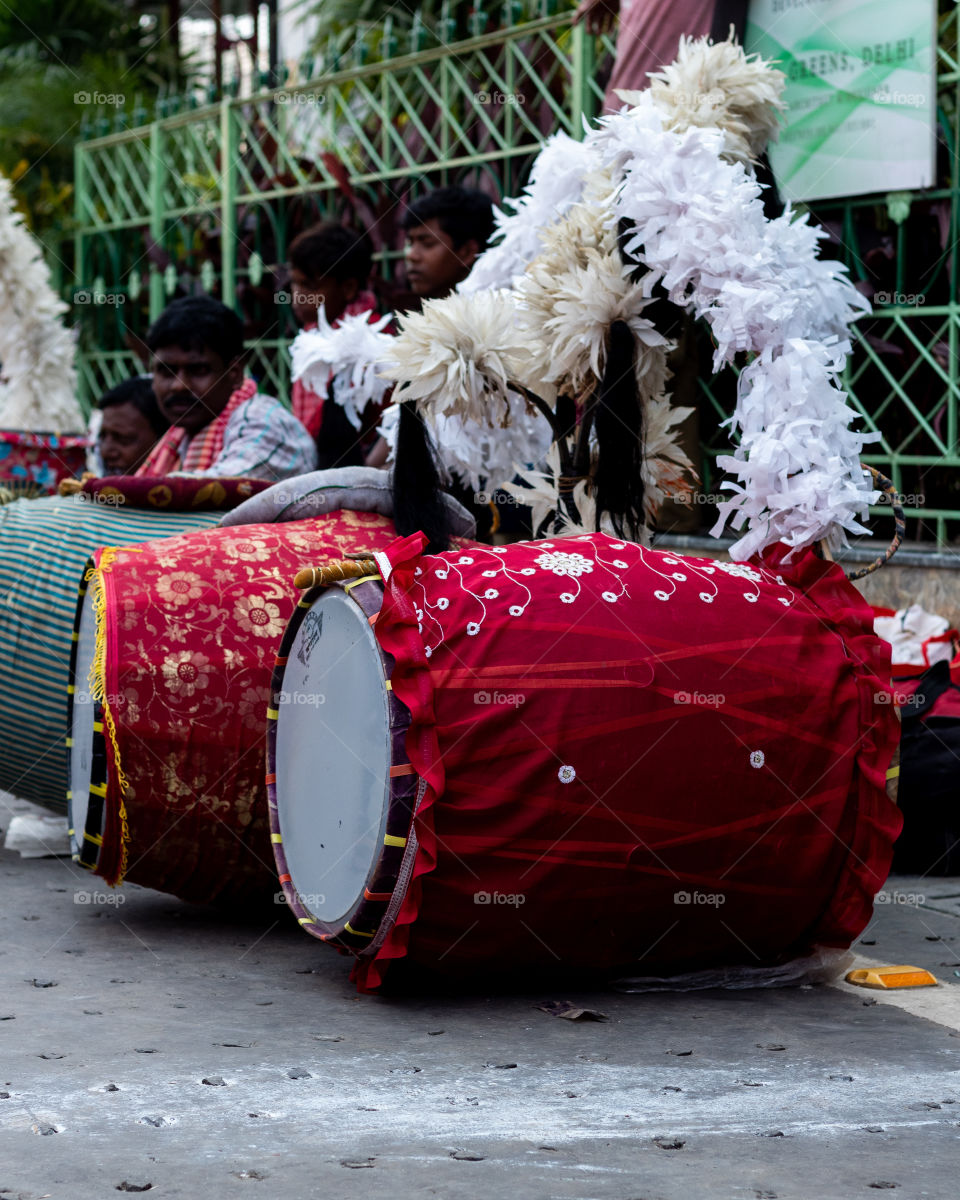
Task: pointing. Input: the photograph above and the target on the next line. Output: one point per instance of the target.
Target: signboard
(861, 93)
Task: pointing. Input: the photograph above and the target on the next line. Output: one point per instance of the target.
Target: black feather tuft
(619, 423)
(417, 489)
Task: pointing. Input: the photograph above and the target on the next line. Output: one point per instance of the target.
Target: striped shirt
(262, 440)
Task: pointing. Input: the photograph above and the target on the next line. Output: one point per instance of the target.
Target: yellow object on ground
(891, 977)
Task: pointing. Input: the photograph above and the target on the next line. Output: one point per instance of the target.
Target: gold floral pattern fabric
(192, 627)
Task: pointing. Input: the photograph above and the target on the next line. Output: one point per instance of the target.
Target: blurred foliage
(381, 28)
(57, 59)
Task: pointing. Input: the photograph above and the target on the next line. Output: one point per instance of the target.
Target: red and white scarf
(204, 448)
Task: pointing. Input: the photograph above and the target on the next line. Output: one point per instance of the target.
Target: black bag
(929, 793)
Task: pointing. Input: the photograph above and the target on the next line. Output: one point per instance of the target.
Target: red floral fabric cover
(193, 623)
(634, 759)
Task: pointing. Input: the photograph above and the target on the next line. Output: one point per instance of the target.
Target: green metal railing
(210, 197)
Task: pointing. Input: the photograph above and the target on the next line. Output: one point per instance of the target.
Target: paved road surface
(151, 1043)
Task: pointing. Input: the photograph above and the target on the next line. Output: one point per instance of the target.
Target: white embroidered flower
(620, 564)
(418, 570)
(490, 574)
(419, 613)
(708, 570)
(706, 597)
(671, 562)
(618, 545)
(757, 758)
(562, 563)
(515, 610)
(662, 595)
(465, 559)
(498, 550)
(566, 774)
(443, 603)
(751, 596)
(680, 576)
(527, 571)
(784, 600)
(546, 545)
(740, 570)
(567, 597)
(472, 629)
(491, 594)
(441, 574)
(428, 650)
(610, 597)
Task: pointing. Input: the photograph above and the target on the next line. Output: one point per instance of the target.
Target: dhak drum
(170, 678)
(44, 544)
(581, 755)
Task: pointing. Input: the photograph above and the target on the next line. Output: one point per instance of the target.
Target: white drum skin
(332, 801)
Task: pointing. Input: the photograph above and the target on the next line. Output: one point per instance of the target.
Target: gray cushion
(362, 489)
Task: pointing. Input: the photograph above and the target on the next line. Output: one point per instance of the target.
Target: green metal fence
(210, 197)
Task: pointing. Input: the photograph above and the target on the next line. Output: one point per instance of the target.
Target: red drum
(166, 760)
(616, 758)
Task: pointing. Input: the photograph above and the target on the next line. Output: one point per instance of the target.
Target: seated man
(130, 424)
(445, 231)
(220, 425)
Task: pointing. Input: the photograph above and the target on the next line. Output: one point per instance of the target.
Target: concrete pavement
(147, 1044)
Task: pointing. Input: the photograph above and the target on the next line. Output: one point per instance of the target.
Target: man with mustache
(220, 424)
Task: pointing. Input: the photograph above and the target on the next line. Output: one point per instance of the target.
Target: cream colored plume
(38, 379)
(718, 86)
(570, 296)
(458, 356)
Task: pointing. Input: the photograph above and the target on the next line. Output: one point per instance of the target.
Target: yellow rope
(97, 681)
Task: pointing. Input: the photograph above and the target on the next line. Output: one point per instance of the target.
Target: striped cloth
(44, 546)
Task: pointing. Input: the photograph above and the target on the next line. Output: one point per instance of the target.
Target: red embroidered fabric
(193, 623)
(635, 760)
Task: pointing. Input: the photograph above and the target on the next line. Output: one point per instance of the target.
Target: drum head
(333, 754)
(86, 752)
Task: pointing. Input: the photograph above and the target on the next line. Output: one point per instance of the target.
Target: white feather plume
(344, 361)
(557, 180)
(717, 86)
(459, 355)
(569, 297)
(38, 379)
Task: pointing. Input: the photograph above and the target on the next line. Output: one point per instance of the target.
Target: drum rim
(361, 929)
(85, 849)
